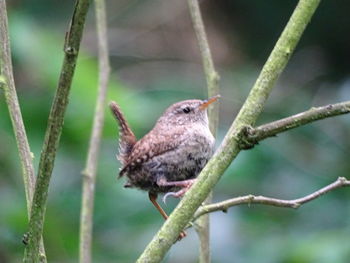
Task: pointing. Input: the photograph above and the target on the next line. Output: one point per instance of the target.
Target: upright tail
(127, 138)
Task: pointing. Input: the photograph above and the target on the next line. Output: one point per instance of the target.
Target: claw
(176, 194)
(167, 195)
(182, 235)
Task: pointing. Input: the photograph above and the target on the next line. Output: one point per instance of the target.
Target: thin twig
(252, 199)
(86, 217)
(8, 85)
(229, 149)
(54, 129)
(211, 75)
(202, 226)
(252, 136)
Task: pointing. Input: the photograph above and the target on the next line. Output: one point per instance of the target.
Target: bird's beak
(209, 101)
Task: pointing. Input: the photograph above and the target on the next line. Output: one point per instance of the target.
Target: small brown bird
(168, 158)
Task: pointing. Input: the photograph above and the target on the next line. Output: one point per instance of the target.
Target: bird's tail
(127, 138)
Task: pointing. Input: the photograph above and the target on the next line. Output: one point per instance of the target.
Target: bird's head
(187, 112)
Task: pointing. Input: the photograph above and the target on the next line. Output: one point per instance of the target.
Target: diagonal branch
(7, 83)
(212, 77)
(251, 136)
(229, 149)
(53, 131)
(86, 217)
(252, 199)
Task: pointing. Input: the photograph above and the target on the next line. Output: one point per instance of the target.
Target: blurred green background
(155, 62)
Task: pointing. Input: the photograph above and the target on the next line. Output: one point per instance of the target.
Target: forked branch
(229, 149)
(53, 131)
(252, 199)
(251, 136)
(7, 84)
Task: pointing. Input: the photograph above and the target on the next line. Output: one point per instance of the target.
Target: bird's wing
(153, 144)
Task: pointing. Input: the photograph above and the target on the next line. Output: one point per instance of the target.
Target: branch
(53, 131)
(86, 217)
(211, 75)
(203, 225)
(8, 85)
(229, 149)
(252, 199)
(251, 136)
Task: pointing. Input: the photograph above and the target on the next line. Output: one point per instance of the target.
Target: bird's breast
(188, 158)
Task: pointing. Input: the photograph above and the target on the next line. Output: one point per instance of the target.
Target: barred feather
(127, 138)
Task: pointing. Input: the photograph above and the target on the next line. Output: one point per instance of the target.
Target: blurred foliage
(155, 62)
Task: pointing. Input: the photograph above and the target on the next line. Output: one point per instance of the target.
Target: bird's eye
(186, 110)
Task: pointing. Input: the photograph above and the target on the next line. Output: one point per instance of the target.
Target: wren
(169, 158)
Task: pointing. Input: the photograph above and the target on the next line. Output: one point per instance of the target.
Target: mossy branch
(89, 179)
(250, 111)
(251, 136)
(53, 131)
(202, 225)
(263, 200)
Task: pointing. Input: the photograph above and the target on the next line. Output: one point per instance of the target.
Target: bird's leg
(153, 199)
(185, 184)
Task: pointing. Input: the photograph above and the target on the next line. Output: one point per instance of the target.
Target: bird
(167, 159)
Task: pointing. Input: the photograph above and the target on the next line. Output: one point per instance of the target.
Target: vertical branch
(211, 75)
(229, 149)
(8, 85)
(53, 131)
(202, 225)
(86, 217)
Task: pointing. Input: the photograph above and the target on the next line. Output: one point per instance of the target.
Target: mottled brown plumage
(172, 154)
(127, 138)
